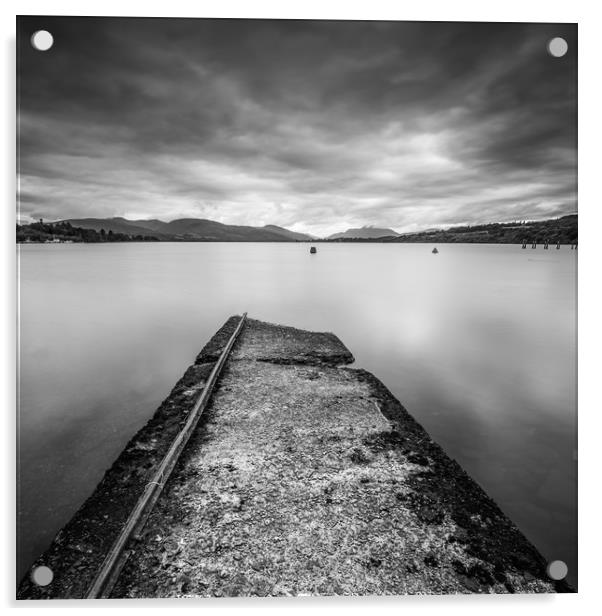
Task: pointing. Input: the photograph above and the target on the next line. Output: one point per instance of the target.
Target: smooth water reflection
(478, 342)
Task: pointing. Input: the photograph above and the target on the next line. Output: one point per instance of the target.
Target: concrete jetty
(304, 476)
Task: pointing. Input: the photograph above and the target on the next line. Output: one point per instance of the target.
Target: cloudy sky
(314, 126)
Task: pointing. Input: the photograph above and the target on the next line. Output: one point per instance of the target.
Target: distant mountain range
(365, 233)
(563, 230)
(202, 230)
(191, 229)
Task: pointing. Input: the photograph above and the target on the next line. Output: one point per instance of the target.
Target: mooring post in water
(545, 246)
(558, 245)
(534, 245)
(524, 244)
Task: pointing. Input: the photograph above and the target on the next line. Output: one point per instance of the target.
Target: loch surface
(477, 342)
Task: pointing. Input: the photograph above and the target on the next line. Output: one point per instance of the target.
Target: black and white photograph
(297, 308)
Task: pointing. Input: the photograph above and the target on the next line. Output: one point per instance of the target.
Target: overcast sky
(314, 126)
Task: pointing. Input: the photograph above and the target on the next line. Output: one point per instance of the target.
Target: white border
(588, 15)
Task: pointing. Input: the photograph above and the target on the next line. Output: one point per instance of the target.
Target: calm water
(478, 342)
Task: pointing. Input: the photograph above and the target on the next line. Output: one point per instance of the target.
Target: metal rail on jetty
(117, 556)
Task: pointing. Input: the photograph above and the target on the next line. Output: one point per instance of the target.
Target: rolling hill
(564, 230)
(293, 235)
(116, 225)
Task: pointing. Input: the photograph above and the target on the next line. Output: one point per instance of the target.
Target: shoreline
(359, 241)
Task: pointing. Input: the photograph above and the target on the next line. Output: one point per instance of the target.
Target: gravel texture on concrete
(303, 477)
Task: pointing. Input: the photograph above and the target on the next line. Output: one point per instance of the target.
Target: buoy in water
(435, 251)
(313, 250)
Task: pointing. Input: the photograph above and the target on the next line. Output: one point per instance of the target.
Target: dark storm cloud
(317, 125)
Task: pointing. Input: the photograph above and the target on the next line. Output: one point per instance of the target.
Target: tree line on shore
(562, 230)
(43, 232)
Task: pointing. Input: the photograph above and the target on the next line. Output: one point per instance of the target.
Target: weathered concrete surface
(310, 478)
(303, 477)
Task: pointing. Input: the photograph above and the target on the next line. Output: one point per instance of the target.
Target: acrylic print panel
(297, 308)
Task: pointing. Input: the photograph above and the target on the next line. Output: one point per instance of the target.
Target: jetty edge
(303, 476)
